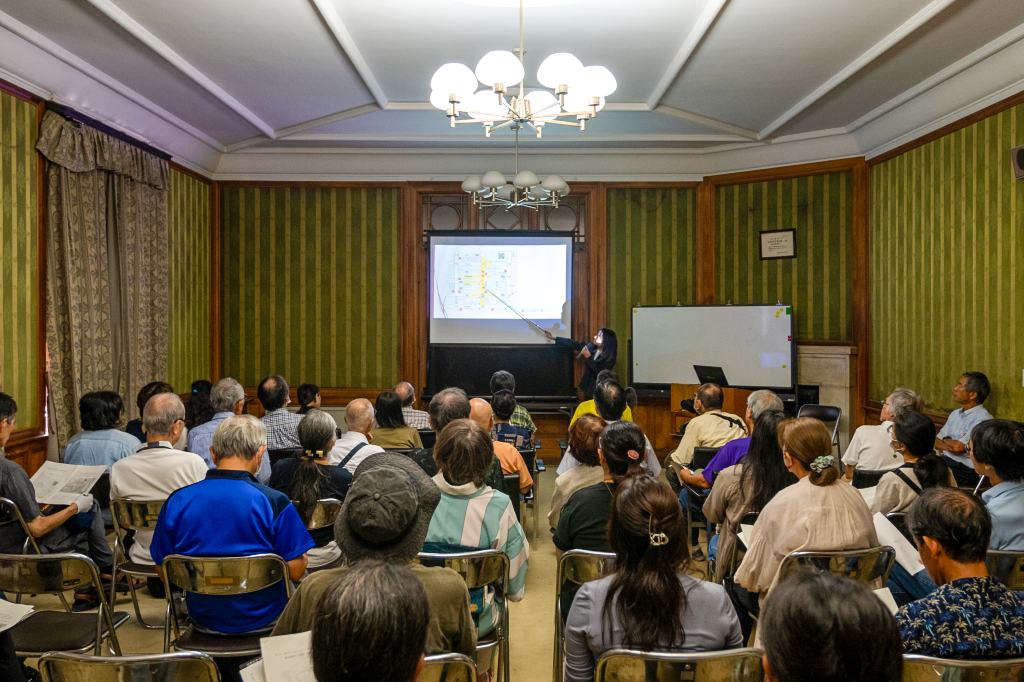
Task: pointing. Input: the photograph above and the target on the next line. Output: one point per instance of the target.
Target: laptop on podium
(707, 374)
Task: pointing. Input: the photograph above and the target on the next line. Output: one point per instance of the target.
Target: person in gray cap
(385, 517)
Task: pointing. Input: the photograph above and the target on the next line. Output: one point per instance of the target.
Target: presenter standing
(599, 355)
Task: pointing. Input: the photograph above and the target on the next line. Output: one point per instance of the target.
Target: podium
(734, 401)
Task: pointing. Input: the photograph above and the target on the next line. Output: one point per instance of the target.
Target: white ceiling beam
(700, 29)
(333, 20)
(909, 26)
(87, 69)
(979, 55)
(709, 122)
(143, 34)
(311, 124)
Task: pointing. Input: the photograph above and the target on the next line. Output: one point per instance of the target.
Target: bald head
(163, 417)
(406, 392)
(480, 411)
(359, 415)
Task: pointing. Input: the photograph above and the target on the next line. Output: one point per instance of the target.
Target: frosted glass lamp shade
(483, 104)
(543, 104)
(538, 194)
(493, 179)
(505, 192)
(439, 98)
(526, 179)
(558, 69)
(472, 184)
(565, 190)
(580, 102)
(594, 81)
(499, 66)
(553, 183)
(454, 77)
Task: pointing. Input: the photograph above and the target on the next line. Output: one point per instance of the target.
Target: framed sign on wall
(778, 244)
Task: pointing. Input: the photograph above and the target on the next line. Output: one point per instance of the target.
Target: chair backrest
(326, 512)
(428, 437)
(867, 478)
(181, 666)
(928, 669)
(870, 566)
(510, 486)
(529, 458)
(479, 569)
(46, 573)
(702, 457)
(1008, 567)
(101, 490)
(899, 519)
(448, 668)
(830, 414)
(283, 453)
(735, 665)
(9, 513)
(578, 566)
(135, 514)
(225, 575)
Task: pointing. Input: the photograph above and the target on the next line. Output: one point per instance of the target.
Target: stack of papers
(286, 658)
(746, 534)
(869, 494)
(906, 553)
(12, 614)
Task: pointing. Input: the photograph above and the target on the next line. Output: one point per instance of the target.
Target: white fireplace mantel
(833, 369)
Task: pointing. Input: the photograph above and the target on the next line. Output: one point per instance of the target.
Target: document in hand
(906, 553)
(286, 658)
(63, 483)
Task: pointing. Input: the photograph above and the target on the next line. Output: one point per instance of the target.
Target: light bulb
(561, 68)
(537, 193)
(594, 81)
(553, 183)
(543, 105)
(472, 184)
(493, 179)
(499, 66)
(505, 192)
(454, 77)
(483, 104)
(580, 103)
(526, 179)
(439, 98)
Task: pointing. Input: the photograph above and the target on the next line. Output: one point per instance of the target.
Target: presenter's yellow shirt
(588, 407)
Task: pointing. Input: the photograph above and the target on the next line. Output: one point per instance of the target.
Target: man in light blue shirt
(227, 398)
(970, 392)
(997, 450)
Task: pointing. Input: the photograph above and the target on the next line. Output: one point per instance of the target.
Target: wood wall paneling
(706, 262)
(28, 451)
(216, 330)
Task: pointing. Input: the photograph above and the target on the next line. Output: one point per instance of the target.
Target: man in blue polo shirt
(952, 440)
(231, 514)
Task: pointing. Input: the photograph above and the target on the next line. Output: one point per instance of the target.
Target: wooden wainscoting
(28, 450)
(329, 397)
(654, 417)
(873, 410)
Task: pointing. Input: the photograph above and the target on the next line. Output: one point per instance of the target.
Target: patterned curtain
(106, 293)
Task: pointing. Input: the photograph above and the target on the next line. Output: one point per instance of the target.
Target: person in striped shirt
(471, 515)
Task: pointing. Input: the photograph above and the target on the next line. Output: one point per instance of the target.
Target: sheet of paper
(886, 596)
(746, 534)
(253, 671)
(11, 614)
(869, 494)
(287, 659)
(906, 553)
(57, 483)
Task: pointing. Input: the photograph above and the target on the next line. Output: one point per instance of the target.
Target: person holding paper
(972, 615)
(970, 392)
(997, 450)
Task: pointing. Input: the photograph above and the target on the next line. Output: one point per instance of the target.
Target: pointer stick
(513, 309)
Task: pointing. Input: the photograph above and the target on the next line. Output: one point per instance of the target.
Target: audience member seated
(610, 400)
(649, 603)
(971, 615)
(230, 514)
(417, 419)
(913, 439)
(391, 432)
(282, 424)
(356, 444)
(631, 399)
(970, 392)
(711, 428)
(385, 518)
(156, 470)
(817, 627)
(309, 478)
(308, 396)
(504, 381)
(817, 513)
(61, 529)
(198, 409)
(504, 405)
(584, 439)
(997, 450)
(134, 427)
(470, 511)
(588, 407)
(511, 460)
(746, 487)
(371, 625)
(869, 448)
(227, 398)
(100, 442)
(445, 407)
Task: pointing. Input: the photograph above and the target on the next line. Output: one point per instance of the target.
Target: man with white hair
(869, 448)
(417, 419)
(355, 445)
(227, 398)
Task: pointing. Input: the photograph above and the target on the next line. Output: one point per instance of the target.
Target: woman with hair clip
(309, 397)
(649, 603)
(309, 478)
(912, 436)
(597, 356)
(817, 513)
(746, 487)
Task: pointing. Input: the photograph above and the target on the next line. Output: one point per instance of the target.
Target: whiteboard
(753, 344)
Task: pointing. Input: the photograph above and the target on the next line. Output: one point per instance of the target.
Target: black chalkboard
(541, 372)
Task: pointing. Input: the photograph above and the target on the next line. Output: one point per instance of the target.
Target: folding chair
(899, 519)
(867, 478)
(510, 486)
(577, 566)
(447, 668)
(828, 414)
(483, 568)
(428, 437)
(139, 516)
(222, 576)
(530, 498)
(277, 455)
(9, 513)
(735, 665)
(748, 519)
(44, 631)
(325, 514)
(870, 566)
(928, 669)
(1008, 567)
(181, 666)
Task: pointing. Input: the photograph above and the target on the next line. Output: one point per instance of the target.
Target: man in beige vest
(711, 428)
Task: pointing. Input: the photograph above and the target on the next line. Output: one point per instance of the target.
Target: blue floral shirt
(971, 618)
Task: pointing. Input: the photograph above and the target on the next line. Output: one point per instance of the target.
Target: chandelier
(526, 189)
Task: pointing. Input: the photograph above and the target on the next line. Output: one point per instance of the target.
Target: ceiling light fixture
(492, 189)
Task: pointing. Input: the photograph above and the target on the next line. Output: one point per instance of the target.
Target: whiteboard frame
(792, 345)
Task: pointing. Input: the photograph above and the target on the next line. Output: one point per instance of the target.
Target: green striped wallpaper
(947, 266)
(818, 281)
(652, 254)
(19, 258)
(310, 285)
(188, 236)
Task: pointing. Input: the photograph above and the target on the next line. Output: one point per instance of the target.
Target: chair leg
(135, 602)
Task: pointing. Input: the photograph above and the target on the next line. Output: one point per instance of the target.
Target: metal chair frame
(867, 569)
(180, 666)
(748, 519)
(861, 477)
(484, 568)
(222, 576)
(1007, 566)
(918, 668)
(9, 513)
(448, 668)
(835, 429)
(22, 574)
(735, 665)
(325, 514)
(530, 498)
(576, 566)
(137, 515)
(510, 486)
(899, 519)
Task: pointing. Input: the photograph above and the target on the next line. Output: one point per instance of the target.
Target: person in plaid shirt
(282, 425)
(417, 419)
(504, 381)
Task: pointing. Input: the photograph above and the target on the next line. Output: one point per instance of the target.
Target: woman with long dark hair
(746, 487)
(309, 397)
(198, 409)
(390, 430)
(309, 478)
(599, 355)
(649, 603)
(913, 437)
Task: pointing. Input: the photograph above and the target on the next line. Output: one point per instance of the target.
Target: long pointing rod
(513, 309)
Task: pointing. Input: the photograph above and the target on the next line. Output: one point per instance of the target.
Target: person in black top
(134, 427)
(599, 355)
(198, 409)
(309, 478)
